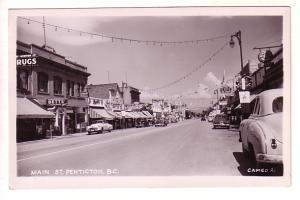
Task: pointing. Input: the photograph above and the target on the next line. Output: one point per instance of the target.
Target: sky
(152, 66)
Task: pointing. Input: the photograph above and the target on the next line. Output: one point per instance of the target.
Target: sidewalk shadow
(248, 168)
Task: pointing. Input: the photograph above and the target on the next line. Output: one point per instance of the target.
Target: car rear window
(277, 104)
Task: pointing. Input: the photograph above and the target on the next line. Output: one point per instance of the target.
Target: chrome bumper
(268, 158)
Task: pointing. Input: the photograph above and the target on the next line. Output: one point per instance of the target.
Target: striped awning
(147, 114)
(142, 114)
(96, 113)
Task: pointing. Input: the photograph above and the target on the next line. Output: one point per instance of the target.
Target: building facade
(131, 95)
(56, 84)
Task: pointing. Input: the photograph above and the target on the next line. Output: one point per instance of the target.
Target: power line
(130, 40)
(191, 72)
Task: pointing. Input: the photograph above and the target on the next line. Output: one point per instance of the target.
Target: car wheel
(245, 152)
(252, 155)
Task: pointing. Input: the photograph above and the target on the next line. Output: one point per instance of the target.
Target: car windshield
(277, 104)
(221, 117)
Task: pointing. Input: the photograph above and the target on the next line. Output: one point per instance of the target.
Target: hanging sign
(244, 97)
(265, 56)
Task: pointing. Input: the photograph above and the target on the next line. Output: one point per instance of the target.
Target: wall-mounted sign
(57, 102)
(26, 60)
(97, 102)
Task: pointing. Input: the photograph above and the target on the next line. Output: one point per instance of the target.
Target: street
(190, 147)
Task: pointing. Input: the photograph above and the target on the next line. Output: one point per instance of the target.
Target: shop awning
(116, 115)
(142, 115)
(100, 113)
(147, 114)
(124, 114)
(137, 115)
(28, 109)
(251, 98)
(133, 114)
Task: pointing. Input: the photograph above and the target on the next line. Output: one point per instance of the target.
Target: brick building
(54, 84)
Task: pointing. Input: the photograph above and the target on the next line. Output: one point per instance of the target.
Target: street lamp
(238, 36)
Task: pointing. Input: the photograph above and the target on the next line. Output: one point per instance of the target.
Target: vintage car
(221, 121)
(210, 118)
(99, 126)
(161, 122)
(203, 118)
(261, 133)
(140, 124)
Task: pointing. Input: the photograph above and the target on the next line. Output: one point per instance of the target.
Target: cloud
(202, 92)
(211, 79)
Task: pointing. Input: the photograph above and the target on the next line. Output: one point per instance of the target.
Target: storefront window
(22, 80)
(57, 85)
(42, 82)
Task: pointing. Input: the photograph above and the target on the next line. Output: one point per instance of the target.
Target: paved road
(190, 147)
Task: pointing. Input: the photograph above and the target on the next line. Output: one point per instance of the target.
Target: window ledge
(43, 93)
(59, 95)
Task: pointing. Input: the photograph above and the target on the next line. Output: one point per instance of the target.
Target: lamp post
(238, 36)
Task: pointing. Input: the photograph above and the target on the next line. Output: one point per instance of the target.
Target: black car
(203, 118)
(161, 122)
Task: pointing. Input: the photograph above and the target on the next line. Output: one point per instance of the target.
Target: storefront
(70, 116)
(57, 84)
(33, 122)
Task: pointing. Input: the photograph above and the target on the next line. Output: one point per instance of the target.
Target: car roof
(266, 99)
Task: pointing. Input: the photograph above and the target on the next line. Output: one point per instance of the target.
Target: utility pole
(108, 80)
(44, 27)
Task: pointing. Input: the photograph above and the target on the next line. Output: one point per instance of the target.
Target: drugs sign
(244, 97)
(26, 60)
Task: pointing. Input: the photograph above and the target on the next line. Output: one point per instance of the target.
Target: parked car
(221, 121)
(99, 126)
(210, 118)
(261, 133)
(140, 124)
(173, 119)
(203, 118)
(161, 122)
